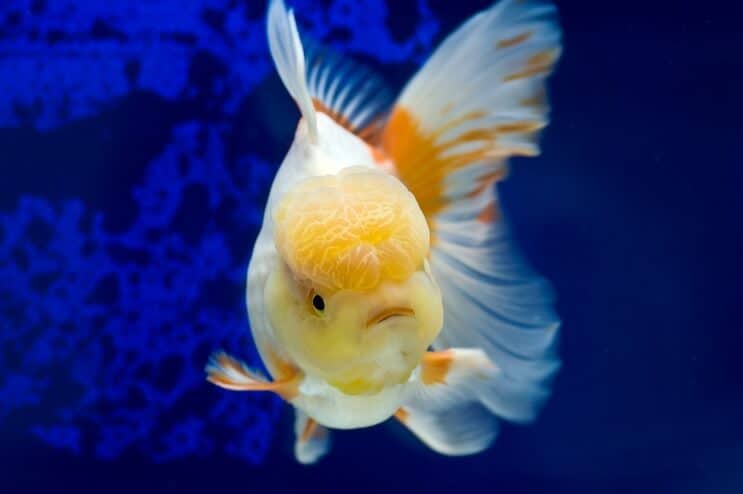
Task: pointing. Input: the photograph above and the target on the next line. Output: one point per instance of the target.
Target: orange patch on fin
(539, 100)
(435, 366)
(506, 43)
(423, 160)
(540, 63)
(523, 127)
(402, 415)
(488, 180)
(310, 428)
(489, 214)
(545, 57)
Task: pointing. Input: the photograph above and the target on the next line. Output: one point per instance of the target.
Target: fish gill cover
(128, 208)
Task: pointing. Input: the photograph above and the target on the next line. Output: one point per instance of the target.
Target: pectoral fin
(229, 373)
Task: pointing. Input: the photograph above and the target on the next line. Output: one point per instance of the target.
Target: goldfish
(385, 281)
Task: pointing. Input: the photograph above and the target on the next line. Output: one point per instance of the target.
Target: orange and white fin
(288, 56)
(479, 100)
(312, 440)
(229, 373)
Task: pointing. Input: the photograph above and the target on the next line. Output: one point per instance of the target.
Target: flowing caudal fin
(479, 100)
(351, 94)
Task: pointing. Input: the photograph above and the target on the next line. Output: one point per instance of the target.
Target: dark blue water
(137, 145)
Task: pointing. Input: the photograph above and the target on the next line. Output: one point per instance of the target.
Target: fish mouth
(389, 313)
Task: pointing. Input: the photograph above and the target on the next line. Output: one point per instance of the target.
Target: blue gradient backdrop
(138, 140)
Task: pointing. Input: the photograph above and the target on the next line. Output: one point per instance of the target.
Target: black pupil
(318, 303)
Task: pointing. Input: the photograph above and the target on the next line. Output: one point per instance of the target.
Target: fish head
(352, 299)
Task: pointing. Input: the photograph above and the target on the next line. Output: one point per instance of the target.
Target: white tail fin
(479, 100)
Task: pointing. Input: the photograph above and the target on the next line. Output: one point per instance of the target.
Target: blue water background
(137, 145)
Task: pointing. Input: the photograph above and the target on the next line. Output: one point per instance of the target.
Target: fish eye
(318, 303)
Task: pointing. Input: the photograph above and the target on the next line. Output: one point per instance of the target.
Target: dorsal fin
(288, 55)
(350, 93)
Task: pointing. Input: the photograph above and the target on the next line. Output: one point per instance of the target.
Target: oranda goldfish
(384, 281)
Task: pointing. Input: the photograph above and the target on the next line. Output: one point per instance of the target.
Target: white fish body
(336, 149)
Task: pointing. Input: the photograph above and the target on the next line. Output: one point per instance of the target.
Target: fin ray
(229, 373)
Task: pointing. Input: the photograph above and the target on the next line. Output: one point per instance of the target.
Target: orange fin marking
(489, 214)
(541, 63)
(435, 367)
(488, 181)
(422, 162)
(539, 100)
(310, 429)
(424, 159)
(402, 415)
(506, 43)
(519, 127)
